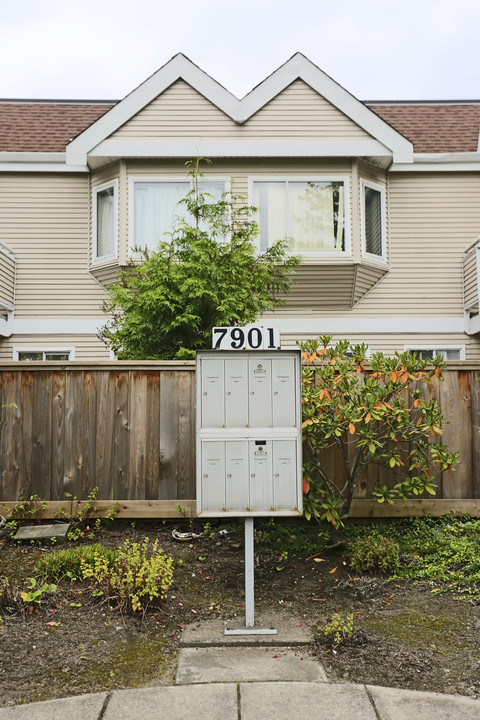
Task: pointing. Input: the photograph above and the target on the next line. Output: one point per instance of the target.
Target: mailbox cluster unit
(249, 438)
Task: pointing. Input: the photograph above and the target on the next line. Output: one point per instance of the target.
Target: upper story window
(105, 221)
(373, 220)
(156, 205)
(310, 212)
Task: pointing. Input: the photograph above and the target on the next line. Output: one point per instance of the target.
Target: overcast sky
(376, 49)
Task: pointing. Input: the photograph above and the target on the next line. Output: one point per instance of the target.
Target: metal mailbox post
(249, 439)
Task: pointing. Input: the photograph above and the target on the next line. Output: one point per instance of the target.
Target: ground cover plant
(413, 624)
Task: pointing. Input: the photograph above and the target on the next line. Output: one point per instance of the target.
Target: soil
(404, 635)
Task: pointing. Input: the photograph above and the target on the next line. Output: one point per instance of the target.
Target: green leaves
(209, 273)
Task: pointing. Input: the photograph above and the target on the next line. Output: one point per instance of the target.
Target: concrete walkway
(251, 677)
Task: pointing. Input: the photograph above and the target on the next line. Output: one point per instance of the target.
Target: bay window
(105, 221)
(156, 204)
(311, 213)
(373, 233)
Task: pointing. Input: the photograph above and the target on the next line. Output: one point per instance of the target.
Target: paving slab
(291, 630)
(191, 702)
(395, 704)
(43, 533)
(225, 664)
(315, 701)
(81, 707)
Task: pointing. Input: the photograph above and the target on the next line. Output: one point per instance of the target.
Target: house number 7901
(251, 337)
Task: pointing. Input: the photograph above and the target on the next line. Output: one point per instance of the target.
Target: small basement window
(446, 353)
(35, 355)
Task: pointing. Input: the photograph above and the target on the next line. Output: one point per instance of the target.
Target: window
(309, 212)
(446, 353)
(373, 233)
(156, 205)
(35, 354)
(105, 221)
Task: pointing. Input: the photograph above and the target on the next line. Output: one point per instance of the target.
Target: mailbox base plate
(251, 631)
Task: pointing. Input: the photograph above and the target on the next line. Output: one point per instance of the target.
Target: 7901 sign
(251, 337)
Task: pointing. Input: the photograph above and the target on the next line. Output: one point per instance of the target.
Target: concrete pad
(316, 701)
(81, 707)
(291, 631)
(395, 704)
(224, 664)
(194, 702)
(43, 533)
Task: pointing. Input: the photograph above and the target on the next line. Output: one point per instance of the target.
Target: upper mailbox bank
(249, 438)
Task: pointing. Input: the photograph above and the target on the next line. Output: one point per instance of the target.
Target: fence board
(130, 429)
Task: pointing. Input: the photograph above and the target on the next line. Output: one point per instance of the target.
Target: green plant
(35, 593)
(68, 562)
(136, 577)
(208, 273)
(284, 558)
(339, 630)
(27, 509)
(373, 553)
(375, 414)
(209, 531)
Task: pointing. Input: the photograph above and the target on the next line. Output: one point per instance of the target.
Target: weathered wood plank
(104, 442)
(455, 395)
(58, 435)
(475, 432)
(25, 437)
(72, 481)
(186, 437)
(10, 416)
(121, 439)
(168, 435)
(42, 434)
(152, 436)
(138, 419)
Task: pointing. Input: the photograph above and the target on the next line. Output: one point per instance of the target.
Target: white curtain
(105, 222)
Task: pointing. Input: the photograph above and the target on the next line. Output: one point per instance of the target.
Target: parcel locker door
(260, 391)
(236, 392)
(283, 387)
(213, 475)
(212, 398)
(261, 481)
(285, 482)
(236, 487)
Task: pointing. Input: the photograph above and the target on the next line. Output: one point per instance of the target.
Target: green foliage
(135, 577)
(31, 508)
(373, 553)
(8, 592)
(339, 630)
(36, 592)
(68, 562)
(209, 273)
(444, 552)
(298, 538)
(375, 414)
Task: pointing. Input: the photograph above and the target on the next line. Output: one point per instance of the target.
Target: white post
(249, 574)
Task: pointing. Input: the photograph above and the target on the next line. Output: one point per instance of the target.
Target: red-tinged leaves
(351, 428)
(332, 571)
(437, 372)
(415, 404)
(319, 599)
(385, 602)
(368, 417)
(306, 486)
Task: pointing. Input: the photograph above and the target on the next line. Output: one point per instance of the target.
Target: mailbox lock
(229, 475)
(205, 476)
(277, 474)
(204, 393)
(276, 392)
(229, 393)
(252, 475)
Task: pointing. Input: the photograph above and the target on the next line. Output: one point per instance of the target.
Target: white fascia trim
(440, 162)
(239, 148)
(57, 326)
(238, 110)
(372, 326)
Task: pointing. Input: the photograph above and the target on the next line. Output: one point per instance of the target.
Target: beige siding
(87, 347)
(297, 112)
(44, 218)
(7, 277)
(470, 279)
(391, 343)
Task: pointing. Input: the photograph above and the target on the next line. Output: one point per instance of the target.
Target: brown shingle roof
(434, 128)
(47, 126)
(44, 126)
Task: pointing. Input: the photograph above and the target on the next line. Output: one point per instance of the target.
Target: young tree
(209, 273)
(373, 415)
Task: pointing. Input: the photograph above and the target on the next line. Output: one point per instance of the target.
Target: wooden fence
(128, 428)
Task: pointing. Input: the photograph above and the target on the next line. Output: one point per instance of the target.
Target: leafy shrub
(135, 577)
(339, 630)
(373, 553)
(68, 562)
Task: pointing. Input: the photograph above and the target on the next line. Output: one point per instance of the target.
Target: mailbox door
(283, 387)
(284, 474)
(213, 475)
(236, 392)
(260, 391)
(236, 484)
(261, 485)
(212, 393)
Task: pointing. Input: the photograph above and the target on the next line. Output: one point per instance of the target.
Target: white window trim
(438, 347)
(160, 179)
(313, 178)
(36, 348)
(97, 259)
(381, 189)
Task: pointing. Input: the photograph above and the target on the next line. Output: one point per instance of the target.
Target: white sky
(376, 49)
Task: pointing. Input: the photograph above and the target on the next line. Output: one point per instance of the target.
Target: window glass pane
(30, 355)
(105, 222)
(445, 354)
(373, 221)
(157, 205)
(312, 214)
(57, 356)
